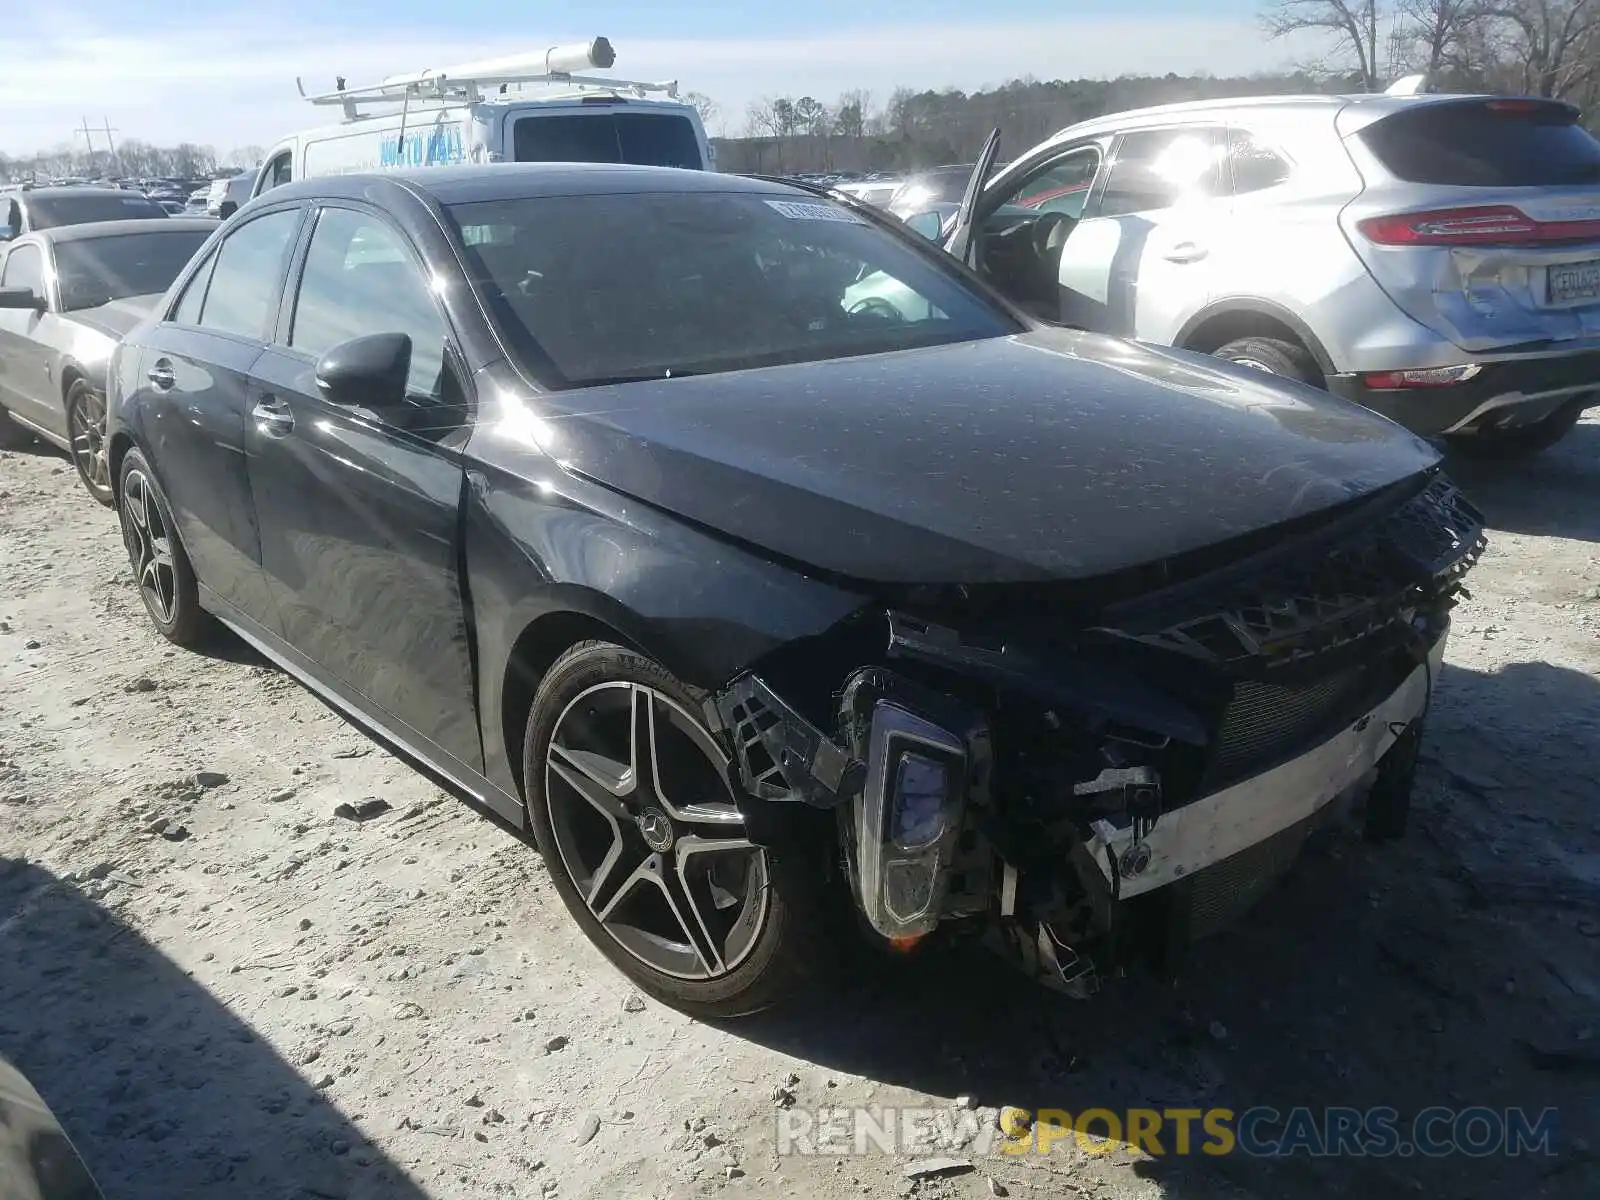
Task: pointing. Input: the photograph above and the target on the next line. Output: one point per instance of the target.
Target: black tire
(778, 923)
(86, 427)
(161, 569)
(1388, 806)
(1275, 356)
(1506, 444)
(12, 435)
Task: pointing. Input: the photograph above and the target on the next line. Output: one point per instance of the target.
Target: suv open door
(959, 240)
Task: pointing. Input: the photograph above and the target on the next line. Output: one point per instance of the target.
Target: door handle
(273, 417)
(1186, 252)
(161, 375)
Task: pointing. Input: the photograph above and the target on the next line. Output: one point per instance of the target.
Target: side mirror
(21, 298)
(928, 224)
(366, 372)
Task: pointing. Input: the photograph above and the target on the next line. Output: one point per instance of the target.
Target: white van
(526, 108)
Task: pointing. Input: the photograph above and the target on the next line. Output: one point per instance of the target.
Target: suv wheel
(1522, 440)
(629, 797)
(1274, 356)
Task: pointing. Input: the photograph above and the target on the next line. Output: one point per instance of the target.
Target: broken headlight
(909, 812)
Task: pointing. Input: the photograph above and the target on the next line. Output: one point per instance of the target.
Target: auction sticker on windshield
(797, 211)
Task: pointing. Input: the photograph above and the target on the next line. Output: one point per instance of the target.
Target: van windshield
(645, 139)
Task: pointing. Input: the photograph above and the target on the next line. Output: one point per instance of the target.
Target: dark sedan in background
(66, 296)
(597, 492)
(29, 209)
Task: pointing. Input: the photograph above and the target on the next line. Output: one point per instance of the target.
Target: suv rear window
(642, 139)
(1494, 143)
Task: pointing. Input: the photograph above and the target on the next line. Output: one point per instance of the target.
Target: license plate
(1572, 283)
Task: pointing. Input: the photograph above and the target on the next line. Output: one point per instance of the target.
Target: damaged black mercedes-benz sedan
(618, 500)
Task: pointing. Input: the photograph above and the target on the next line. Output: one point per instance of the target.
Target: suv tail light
(1431, 377)
(1496, 224)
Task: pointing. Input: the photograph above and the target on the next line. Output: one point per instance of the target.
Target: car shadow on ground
(1555, 494)
(1441, 970)
(163, 1090)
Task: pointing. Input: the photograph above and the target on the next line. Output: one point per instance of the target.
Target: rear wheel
(628, 795)
(1520, 441)
(86, 425)
(161, 569)
(1275, 356)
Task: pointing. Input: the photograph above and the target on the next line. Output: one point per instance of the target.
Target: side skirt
(421, 753)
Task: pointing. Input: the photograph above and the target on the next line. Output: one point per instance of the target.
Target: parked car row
(1435, 258)
(754, 549)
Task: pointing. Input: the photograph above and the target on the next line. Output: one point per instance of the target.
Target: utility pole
(111, 147)
(88, 140)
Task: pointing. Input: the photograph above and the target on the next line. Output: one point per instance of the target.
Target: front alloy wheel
(86, 425)
(629, 797)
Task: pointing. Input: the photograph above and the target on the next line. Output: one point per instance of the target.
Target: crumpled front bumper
(1216, 827)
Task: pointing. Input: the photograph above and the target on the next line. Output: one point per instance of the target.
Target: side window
(281, 171)
(14, 218)
(361, 279)
(244, 282)
(187, 310)
(1061, 187)
(1255, 166)
(1162, 168)
(24, 269)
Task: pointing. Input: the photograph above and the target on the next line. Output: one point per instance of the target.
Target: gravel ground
(225, 989)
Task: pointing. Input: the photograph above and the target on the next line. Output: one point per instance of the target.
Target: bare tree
(1353, 24)
(1443, 32)
(1551, 44)
(703, 104)
(851, 113)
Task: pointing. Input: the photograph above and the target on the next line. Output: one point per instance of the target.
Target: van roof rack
(466, 83)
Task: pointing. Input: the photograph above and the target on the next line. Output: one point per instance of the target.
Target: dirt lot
(224, 989)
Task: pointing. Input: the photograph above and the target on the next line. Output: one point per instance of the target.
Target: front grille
(1326, 597)
(1267, 724)
(1211, 900)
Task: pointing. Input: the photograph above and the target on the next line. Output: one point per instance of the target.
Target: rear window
(1498, 143)
(95, 271)
(641, 138)
(52, 212)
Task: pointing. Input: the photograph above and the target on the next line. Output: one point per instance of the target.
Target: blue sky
(223, 74)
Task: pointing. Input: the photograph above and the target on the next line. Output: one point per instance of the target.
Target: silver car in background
(1435, 258)
(67, 296)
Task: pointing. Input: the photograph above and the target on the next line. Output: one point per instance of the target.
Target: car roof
(73, 189)
(1374, 106)
(90, 230)
(513, 181)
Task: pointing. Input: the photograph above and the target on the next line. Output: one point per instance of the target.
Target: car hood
(116, 319)
(1051, 455)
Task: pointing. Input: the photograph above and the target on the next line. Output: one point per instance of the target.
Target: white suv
(1436, 258)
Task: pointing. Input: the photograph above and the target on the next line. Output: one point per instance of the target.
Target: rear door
(360, 511)
(192, 381)
(1138, 264)
(1481, 217)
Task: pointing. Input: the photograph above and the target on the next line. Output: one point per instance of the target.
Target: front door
(26, 387)
(193, 385)
(360, 511)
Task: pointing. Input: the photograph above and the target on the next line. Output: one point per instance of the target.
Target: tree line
(1520, 47)
(1528, 47)
(129, 159)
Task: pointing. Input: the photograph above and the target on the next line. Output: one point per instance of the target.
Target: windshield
(94, 271)
(598, 289)
(642, 138)
(52, 212)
